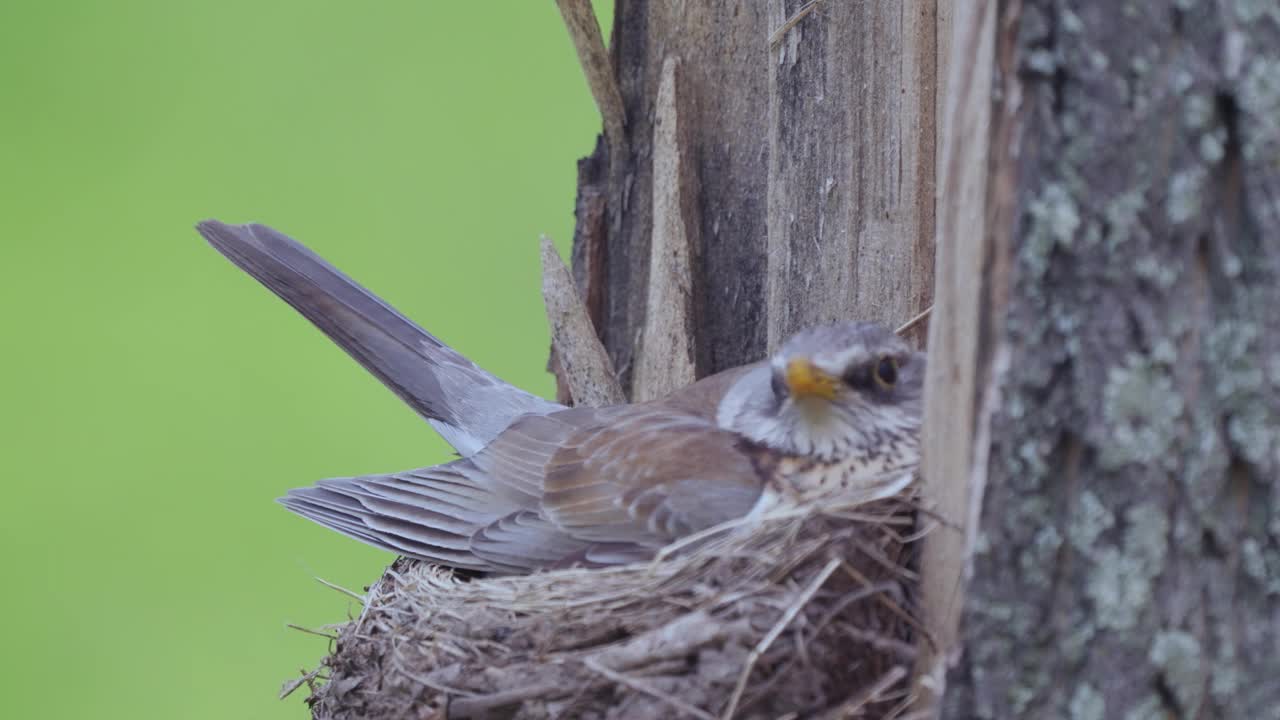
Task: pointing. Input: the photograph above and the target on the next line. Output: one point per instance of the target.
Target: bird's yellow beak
(806, 380)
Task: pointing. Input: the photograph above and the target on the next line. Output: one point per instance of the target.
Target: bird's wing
(430, 513)
(593, 486)
(524, 541)
(645, 475)
(468, 406)
(703, 397)
(612, 484)
(481, 513)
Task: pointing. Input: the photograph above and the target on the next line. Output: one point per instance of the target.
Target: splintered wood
(666, 361)
(583, 364)
(584, 30)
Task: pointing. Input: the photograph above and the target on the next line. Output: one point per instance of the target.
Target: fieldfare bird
(541, 485)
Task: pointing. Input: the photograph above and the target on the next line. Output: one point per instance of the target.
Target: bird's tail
(447, 514)
(467, 405)
(431, 513)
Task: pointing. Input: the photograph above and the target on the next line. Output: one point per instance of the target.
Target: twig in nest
(428, 682)
(481, 705)
(885, 600)
(688, 540)
(918, 506)
(307, 678)
(309, 631)
(793, 21)
(905, 652)
(645, 688)
(680, 637)
(867, 695)
(878, 555)
(915, 320)
(847, 600)
(777, 629)
(349, 593)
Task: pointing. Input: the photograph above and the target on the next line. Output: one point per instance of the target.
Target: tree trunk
(808, 161)
(1126, 556)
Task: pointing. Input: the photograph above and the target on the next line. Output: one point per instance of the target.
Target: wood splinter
(584, 30)
(666, 359)
(584, 365)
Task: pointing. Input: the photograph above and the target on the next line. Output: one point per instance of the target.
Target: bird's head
(833, 392)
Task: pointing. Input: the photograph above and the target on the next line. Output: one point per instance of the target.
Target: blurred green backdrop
(154, 399)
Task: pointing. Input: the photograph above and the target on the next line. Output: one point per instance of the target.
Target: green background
(154, 400)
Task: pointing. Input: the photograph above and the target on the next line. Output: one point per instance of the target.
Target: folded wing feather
(586, 485)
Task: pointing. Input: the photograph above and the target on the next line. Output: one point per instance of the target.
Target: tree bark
(809, 144)
(1126, 553)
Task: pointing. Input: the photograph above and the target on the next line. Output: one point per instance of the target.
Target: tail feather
(445, 512)
(454, 498)
(431, 513)
(448, 515)
(397, 536)
(446, 524)
(465, 404)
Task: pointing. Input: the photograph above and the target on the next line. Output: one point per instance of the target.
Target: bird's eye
(779, 386)
(886, 372)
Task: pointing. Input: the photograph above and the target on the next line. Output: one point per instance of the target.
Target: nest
(801, 612)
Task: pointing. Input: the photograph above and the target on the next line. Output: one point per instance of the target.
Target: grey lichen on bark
(1128, 564)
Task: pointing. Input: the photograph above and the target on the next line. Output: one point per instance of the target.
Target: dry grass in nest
(804, 612)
